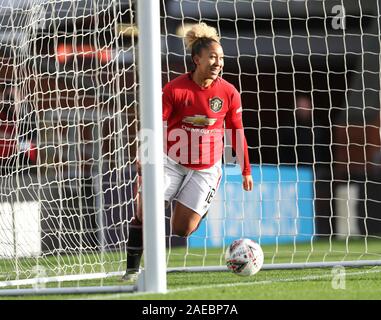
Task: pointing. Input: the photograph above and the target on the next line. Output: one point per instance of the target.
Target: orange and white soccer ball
(244, 257)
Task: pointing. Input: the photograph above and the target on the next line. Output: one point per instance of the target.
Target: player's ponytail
(200, 36)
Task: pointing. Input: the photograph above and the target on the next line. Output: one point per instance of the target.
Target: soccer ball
(244, 257)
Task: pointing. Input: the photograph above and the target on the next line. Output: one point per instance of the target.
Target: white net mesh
(308, 74)
(68, 146)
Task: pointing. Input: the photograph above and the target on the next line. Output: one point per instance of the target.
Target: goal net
(69, 124)
(308, 74)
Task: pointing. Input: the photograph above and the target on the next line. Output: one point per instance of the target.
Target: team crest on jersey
(215, 104)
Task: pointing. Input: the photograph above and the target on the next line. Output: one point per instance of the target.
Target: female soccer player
(195, 107)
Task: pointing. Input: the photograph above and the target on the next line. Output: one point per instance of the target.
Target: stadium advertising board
(278, 210)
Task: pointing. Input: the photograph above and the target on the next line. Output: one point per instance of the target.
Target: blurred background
(308, 73)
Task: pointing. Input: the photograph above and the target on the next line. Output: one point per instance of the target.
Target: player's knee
(182, 231)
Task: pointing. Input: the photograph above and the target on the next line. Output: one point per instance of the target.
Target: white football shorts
(193, 188)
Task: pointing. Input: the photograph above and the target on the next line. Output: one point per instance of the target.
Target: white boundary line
(276, 266)
(234, 284)
(90, 276)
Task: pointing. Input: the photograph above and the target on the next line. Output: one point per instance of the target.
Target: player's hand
(247, 183)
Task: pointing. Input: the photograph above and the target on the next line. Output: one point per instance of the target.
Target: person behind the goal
(195, 107)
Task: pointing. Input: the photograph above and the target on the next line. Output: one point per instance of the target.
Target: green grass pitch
(311, 284)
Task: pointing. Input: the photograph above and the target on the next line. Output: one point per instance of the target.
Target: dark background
(275, 51)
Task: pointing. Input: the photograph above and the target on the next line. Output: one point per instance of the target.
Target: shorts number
(210, 195)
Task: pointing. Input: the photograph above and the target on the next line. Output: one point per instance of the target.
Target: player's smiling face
(210, 62)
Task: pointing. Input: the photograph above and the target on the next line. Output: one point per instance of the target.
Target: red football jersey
(195, 122)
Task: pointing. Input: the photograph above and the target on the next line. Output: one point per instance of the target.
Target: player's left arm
(234, 125)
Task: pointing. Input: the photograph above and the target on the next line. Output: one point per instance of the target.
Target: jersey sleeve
(234, 125)
(167, 101)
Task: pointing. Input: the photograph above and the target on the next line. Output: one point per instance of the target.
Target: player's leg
(173, 178)
(194, 200)
(184, 220)
(135, 239)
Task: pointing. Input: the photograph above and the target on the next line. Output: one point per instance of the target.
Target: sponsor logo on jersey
(199, 120)
(215, 104)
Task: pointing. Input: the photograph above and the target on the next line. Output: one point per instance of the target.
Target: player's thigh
(173, 178)
(200, 190)
(194, 200)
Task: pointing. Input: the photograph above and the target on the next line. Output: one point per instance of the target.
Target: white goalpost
(69, 150)
(154, 277)
(80, 97)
